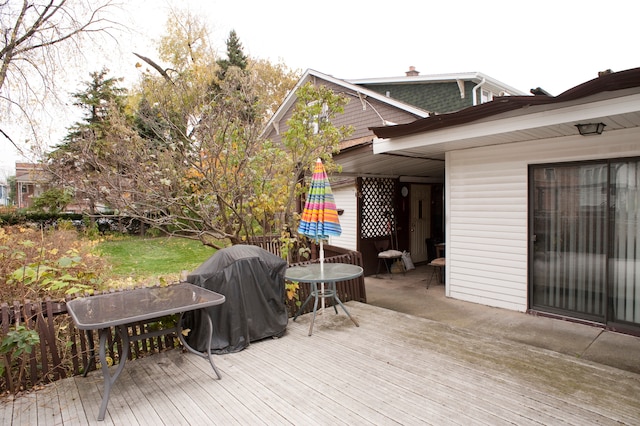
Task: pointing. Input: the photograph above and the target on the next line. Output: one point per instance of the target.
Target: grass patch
(146, 257)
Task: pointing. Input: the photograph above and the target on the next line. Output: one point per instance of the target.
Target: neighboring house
(4, 194)
(379, 193)
(439, 93)
(539, 217)
(31, 181)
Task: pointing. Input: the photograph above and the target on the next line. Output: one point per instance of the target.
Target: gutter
(474, 91)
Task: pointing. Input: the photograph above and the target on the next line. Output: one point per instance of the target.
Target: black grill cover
(252, 281)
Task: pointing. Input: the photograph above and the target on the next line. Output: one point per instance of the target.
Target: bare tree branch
(11, 140)
(33, 36)
(157, 67)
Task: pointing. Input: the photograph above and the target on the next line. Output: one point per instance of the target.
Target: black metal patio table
(327, 273)
(120, 309)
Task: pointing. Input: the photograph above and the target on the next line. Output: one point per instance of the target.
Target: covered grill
(252, 280)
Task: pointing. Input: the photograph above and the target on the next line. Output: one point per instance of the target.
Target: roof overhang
(360, 162)
(476, 77)
(613, 99)
(533, 123)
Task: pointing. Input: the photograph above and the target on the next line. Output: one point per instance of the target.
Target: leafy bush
(36, 264)
(39, 264)
(18, 343)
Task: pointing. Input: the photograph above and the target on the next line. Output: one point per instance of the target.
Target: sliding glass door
(585, 246)
(624, 269)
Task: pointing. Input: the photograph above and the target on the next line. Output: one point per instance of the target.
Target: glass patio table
(327, 273)
(120, 309)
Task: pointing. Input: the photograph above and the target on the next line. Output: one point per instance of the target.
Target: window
(319, 118)
(486, 96)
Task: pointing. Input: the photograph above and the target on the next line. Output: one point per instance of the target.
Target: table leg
(311, 294)
(314, 292)
(210, 334)
(335, 309)
(109, 380)
(92, 353)
(335, 296)
(329, 292)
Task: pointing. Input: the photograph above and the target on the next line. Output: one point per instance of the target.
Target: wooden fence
(65, 351)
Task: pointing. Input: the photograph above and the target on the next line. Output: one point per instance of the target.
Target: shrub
(35, 264)
(15, 345)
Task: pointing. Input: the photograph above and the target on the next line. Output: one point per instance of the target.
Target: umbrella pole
(321, 269)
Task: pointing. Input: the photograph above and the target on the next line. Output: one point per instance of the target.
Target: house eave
(475, 77)
(530, 123)
(610, 84)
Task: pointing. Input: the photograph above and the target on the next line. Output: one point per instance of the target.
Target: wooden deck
(393, 369)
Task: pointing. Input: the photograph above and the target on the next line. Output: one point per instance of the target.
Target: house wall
(346, 200)
(486, 211)
(359, 113)
(436, 97)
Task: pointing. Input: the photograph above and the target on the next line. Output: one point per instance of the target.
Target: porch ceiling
(363, 162)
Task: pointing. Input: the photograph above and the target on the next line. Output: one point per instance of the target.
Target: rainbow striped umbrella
(320, 216)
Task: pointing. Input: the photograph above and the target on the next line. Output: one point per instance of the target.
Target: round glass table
(327, 274)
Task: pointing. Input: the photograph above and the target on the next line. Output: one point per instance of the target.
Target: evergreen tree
(75, 162)
(230, 72)
(235, 56)
(100, 94)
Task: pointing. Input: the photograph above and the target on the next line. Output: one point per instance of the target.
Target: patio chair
(437, 265)
(388, 256)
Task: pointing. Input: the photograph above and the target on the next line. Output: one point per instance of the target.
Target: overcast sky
(525, 44)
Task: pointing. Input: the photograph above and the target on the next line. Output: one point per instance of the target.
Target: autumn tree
(311, 134)
(192, 162)
(273, 82)
(35, 36)
(204, 122)
(224, 183)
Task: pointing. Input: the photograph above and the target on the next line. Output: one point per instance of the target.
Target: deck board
(393, 369)
(71, 409)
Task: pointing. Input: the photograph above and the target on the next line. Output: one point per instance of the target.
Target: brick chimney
(412, 72)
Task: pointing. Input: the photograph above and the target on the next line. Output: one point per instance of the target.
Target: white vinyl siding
(346, 200)
(486, 211)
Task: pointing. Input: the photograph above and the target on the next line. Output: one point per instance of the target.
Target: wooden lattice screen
(377, 215)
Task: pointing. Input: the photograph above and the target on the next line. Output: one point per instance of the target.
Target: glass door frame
(601, 306)
(607, 319)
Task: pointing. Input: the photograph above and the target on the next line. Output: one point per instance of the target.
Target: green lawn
(145, 257)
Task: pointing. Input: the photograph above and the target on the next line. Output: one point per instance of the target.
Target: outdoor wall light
(590, 128)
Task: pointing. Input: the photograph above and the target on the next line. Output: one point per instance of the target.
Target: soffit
(362, 162)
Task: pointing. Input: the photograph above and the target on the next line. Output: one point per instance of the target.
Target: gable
(361, 113)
